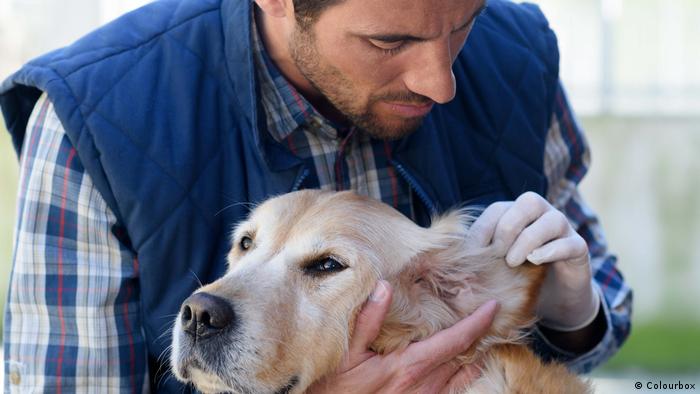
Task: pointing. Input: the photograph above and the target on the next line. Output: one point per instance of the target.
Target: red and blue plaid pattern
(567, 159)
(342, 159)
(72, 319)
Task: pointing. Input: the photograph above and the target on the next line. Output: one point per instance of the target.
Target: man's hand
(530, 229)
(423, 367)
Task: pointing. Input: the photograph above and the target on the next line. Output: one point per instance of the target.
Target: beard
(339, 91)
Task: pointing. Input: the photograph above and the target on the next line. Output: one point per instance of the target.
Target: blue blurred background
(632, 71)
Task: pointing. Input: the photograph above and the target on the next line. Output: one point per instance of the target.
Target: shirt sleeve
(72, 319)
(567, 159)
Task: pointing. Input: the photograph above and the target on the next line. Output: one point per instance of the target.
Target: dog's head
(301, 268)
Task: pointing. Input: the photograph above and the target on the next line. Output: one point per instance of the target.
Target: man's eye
(324, 266)
(388, 47)
(246, 243)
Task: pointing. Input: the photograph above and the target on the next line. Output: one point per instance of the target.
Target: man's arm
(567, 159)
(72, 320)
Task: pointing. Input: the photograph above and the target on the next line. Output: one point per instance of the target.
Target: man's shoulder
(507, 40)
(506, 79)
(132, 34)
(131, 59)
(522, 14)
(521, 24)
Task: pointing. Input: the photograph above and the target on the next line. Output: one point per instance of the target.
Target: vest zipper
(416, 187)
(300, 179)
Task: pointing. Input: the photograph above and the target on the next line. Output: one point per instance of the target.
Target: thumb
(369, 323)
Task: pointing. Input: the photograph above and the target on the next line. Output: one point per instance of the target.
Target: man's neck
(273, 33)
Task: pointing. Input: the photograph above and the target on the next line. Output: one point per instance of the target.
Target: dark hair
(308, 11)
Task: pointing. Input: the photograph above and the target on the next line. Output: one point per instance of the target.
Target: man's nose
(204, 315)
(430, 74)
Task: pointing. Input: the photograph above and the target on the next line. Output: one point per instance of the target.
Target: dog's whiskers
(166, 329)
(165, 353)
(162, 364)
(164, 378)
(199, 282)
(249, 205)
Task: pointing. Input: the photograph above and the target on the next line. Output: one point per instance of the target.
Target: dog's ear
(451, 279)
(439, 285)
(455, 269)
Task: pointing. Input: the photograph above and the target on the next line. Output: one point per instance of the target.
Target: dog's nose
(204, 315)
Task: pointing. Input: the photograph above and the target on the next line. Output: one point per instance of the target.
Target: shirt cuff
(584, 362)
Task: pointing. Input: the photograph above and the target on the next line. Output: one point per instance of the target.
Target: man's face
(383, 64)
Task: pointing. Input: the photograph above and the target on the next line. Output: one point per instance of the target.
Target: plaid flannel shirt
(71, 322)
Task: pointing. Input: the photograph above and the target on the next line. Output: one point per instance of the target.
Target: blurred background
(632, 71)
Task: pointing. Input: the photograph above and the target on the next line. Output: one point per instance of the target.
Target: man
(148, 137)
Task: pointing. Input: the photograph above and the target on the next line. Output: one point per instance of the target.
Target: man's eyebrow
(408, 37)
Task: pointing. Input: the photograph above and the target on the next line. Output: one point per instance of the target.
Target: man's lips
(409, 110)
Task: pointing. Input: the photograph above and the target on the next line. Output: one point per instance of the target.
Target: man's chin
(391, 129)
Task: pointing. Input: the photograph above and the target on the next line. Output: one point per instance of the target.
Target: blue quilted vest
(162, 107)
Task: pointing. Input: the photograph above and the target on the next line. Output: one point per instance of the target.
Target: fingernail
(492, 307)
(538, 256)
(379, 292)
(534, 257)
(493, 304)
(510, 260)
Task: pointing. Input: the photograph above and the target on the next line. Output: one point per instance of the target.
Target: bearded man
(142, 143)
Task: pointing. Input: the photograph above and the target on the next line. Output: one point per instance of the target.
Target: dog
(300, 269)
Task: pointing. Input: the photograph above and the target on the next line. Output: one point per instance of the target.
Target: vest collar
(236, 16)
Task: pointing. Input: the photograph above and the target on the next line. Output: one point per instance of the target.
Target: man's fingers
(464, 377)
(439, 377)
(571, 249)
(449, 343)
(482, 230)
(525, 210)
(552, 225)
(369, 323)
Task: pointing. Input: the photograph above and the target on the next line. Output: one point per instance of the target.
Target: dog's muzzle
(205, 315)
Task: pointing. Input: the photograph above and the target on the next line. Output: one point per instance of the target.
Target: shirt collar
(285, 107)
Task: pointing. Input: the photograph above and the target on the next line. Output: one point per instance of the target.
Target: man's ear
(275, 8)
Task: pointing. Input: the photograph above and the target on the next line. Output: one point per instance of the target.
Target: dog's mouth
(289, 386)
(203, 364)
(212, 372)
(205, 382)
(208, 383)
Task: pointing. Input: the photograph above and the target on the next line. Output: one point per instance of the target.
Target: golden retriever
(302, 266)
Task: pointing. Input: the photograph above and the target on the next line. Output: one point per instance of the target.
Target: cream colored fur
(296, 325)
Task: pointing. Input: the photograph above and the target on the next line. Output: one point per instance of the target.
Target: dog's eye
(246, 243)
(325, 266)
